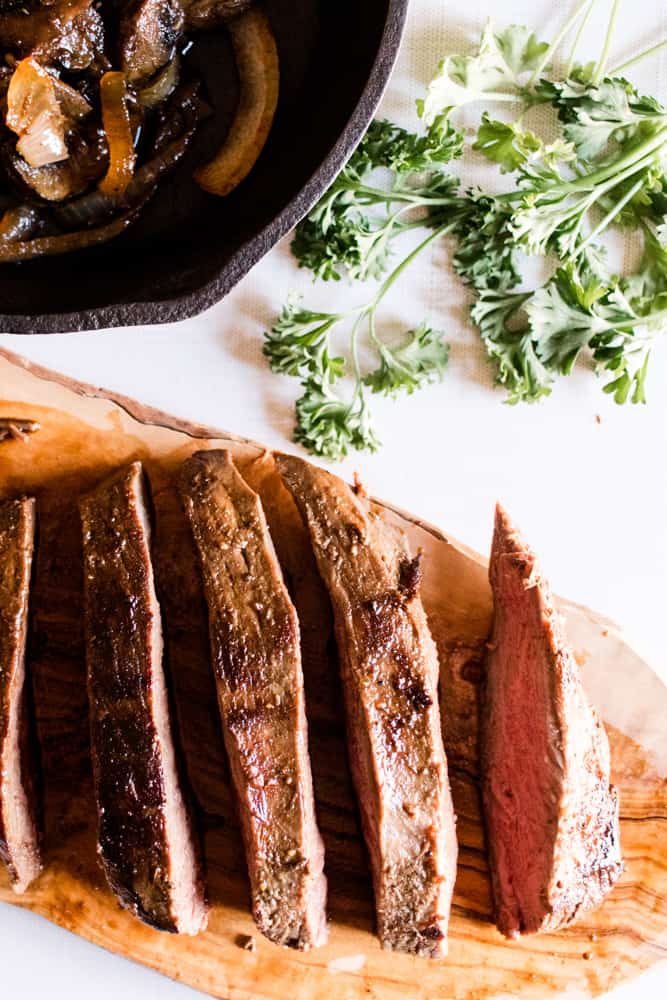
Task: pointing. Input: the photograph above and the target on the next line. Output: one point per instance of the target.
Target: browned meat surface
(256, 656)
(389, 668)
(201, 14)
(146, 840)
(551, 814)
(19, 838)
(149, 33)
(66, 33)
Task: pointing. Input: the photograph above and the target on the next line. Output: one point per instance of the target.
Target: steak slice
(551, 814)
(146, 840)
(19, 826)
(389, 669)
(256, 656)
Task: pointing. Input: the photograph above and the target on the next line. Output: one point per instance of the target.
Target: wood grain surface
(84, 433)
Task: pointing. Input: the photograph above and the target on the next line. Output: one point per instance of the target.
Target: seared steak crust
(19, 836)
(256, 656)
(146, 841)
(389, 669)
(551, 813)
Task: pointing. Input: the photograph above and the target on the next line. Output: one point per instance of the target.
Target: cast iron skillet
(189, 249)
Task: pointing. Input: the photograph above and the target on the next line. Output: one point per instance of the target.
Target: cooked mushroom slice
(93, 208)
(18, 223)
(67, 33)
(150, 31)
(209, 13)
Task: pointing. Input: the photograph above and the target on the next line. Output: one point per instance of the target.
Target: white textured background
(590, 495)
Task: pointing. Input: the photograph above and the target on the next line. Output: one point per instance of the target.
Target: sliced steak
(19, 836)
(256, 656)
(146, 839)
(551, 814)
(389, 668)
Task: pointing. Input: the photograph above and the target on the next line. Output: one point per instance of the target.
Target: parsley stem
(501, 97)
(629, 326)
(398, 271)
(354, 350)
(618, 169)
(610, 216)
(602, 65)
(380, 196)
(636, 59)
(557, 40)
(577, 38)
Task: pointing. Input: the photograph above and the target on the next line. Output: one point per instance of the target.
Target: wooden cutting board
(84, 433)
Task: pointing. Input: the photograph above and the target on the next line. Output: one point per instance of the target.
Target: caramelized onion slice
(66, 243)
(94, 205)
(118, 130)
(34, 113)
(259, 76)
(18, 223)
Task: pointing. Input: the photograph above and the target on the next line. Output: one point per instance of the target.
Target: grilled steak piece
(146, 840)
(256, 656)
(389, 668)
(551, 814)
(19, 837)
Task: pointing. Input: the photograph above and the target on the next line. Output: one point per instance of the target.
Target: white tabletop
(584, 478)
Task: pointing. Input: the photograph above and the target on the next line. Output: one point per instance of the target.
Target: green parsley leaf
(510, 347)
(420, 359)
(574, 311)
(562, 318)
(353, 226)
(596, 114)
(491, 74)
(486, 254)
(505, 143)
(298, 343)
(520, 49)
(328, 426)
(394, 148)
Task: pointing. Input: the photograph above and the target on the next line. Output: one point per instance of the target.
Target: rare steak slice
(146, 838)
(19, 837)
(256, 657)
(389, 669)
(551, 814)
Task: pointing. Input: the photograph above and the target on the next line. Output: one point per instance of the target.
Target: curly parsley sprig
(392, 176)
(300, 343)
(606, 168)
